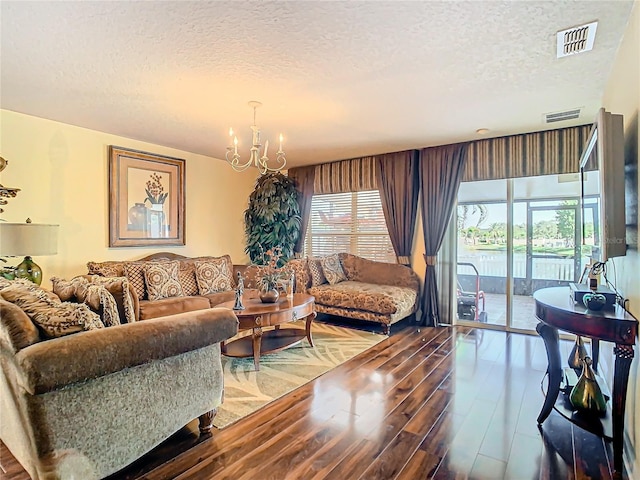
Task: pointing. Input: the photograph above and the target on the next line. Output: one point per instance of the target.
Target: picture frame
(146, 199)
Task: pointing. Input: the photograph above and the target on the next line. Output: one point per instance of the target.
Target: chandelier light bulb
(261, 162)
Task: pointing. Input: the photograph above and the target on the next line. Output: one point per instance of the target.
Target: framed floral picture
(146, 199)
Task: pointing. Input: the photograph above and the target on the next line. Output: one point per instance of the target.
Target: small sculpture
(239, 292)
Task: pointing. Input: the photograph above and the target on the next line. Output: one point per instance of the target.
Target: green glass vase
(586, 395)
(30, 270)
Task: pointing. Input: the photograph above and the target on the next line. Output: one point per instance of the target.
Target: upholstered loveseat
(86, 404)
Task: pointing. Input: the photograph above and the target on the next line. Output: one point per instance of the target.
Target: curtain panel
(526, 155)
(441, 171)
(399, 184)
(303, 178)
(355, 175)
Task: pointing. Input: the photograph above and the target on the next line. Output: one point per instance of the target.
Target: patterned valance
(526, 155)
(355, 175)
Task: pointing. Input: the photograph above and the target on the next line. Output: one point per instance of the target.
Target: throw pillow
(187, 275)
(120, 289)
(333, 269)
(53, 317)
(317, 275)
(97, 297)
(134, 271)
(106, 269)
(213, 276)
(162, 280)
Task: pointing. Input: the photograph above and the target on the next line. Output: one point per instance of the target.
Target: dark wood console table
(556, 311)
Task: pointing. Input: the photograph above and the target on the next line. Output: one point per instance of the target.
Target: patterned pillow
(162, 280)
(134, 271)
(119, 288)
(302, 275)
(333, 269)
(187, 276)
(317, 275)
(53, 317)
(96, 296)
(213, 276)
(106, 269)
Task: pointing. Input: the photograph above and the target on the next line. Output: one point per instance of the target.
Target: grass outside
(489, 247)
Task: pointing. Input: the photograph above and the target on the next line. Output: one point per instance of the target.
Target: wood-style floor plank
(424, 403)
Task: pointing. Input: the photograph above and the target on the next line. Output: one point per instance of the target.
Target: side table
(556, 311)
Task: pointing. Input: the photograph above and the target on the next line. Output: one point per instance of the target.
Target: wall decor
(146, 199)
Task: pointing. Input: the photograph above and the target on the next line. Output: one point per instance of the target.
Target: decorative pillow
(53, 317)
(118, 287)
(134, 271)
(96, 296)
(213, 276)
(317, 275)
(187, 276)
(106, 269)
(162, 280)
(333, 269)
(302, 275)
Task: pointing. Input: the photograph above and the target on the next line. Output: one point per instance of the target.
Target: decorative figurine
(239, 292)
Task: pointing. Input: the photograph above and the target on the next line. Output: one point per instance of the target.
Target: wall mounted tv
(603, 156)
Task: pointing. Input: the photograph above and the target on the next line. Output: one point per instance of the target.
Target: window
(349, 222)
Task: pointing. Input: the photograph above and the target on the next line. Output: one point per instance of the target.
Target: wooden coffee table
(257, 315)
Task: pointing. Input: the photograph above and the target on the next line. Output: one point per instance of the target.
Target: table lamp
(29, 239)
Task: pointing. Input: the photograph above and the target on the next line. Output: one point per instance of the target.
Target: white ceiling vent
(576, 40)
(562, 116)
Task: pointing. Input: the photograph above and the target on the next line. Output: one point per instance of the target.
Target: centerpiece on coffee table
(273, 276)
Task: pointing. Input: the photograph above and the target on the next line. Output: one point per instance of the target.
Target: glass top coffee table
(257, 315)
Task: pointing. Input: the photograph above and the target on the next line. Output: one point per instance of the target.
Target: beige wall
(62, 172)
(622, 95)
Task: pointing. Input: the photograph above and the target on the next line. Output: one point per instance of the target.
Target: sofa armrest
(360, 269)
(52, 364)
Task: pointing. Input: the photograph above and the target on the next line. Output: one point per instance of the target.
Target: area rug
(246, 390)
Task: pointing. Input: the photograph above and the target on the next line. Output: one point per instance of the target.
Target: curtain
(398, 181)
(303, 178)
(526, 155)
(355, 175)
(441, 170)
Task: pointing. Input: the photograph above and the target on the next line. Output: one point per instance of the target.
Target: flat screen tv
(603, 156)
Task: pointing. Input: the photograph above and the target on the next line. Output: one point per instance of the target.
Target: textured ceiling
(339, 79)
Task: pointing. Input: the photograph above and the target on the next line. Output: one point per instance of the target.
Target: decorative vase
(269, 296)
(137, 217)
(586, 394)
(156, 224)
(30, 270)
(578, 354)
(594, 301)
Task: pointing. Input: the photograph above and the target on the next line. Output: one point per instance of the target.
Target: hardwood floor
(425, 403)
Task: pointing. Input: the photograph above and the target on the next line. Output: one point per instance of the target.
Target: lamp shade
(34, 239)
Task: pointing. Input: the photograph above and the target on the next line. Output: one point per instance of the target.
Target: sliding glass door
(515, 236)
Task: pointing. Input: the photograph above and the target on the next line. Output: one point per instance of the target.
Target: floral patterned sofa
(353, 287)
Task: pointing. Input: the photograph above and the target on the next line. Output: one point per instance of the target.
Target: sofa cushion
(332, 269)
(170, 306)
(220, 297)
(317, 275)
(382, 299)
(187, 276)
(53, 317)
(162, 280)
(214, 275)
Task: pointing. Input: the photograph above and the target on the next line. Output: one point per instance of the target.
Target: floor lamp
(29, 239)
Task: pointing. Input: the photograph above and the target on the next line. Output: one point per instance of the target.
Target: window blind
(350, 222)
